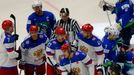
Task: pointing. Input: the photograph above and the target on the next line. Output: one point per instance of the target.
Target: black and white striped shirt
(71, 27)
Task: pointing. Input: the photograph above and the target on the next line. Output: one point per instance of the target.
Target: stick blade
(12, 16)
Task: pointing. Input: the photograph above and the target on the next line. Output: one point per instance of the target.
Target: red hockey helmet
(6, 24)
(33, 28)
(87, 27)
(65, 47)
(60, 30)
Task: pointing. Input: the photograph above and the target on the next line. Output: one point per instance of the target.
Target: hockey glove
(19, 56)
(22, 64)
(16, 36)
(105, 8)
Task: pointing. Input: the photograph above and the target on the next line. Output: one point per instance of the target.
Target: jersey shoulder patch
(97, 41)
(80, 55)
(51, 44)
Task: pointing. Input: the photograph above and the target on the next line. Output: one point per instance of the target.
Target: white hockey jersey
(7, 54)
(94, 45)
(53, 51)
(34, 51)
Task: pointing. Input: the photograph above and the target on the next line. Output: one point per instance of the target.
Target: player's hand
(84, 49)
(16, 36)
(22, 65)
(58, 72)
(105, 8)
(43, 58)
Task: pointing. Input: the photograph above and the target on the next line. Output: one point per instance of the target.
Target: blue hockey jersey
(129, 58)
(46, 20)
(34, 51)
(110, 48)
(124, 13)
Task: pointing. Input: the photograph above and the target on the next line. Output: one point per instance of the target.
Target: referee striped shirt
(71, 27)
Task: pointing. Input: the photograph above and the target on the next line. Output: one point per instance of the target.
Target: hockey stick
(14, 18)
(107, 14)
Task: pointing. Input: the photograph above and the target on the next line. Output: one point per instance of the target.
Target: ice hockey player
(115, 69)
(91, 45)
(128, 68)
(110, 47)
(124, 17)
(33, 52)
(71, 61)
(70, 25)
(8, 54)
(109, 43)
(44, 19)
(54, 50)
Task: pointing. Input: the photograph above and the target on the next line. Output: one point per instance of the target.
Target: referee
(70, 25)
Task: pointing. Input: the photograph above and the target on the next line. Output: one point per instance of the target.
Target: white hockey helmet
(111, 30)
(36, 3)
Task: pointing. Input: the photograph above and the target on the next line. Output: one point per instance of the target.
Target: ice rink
(84, 11)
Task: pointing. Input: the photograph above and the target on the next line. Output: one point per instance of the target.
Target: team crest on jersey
(38, 53)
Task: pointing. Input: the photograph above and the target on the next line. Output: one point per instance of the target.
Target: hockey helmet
(33, 28)
(111, 30)
(60, 30)
(87, 27)
(6, 24)
(65, 47)
(36, 3)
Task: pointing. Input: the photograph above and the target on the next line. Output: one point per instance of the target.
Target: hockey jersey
(76, 61)
(124, 13)
(129, 58)
(54, 51)
(94, 45)
(7, 53)
(34, 51)
(46, 20)
(110, 48)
